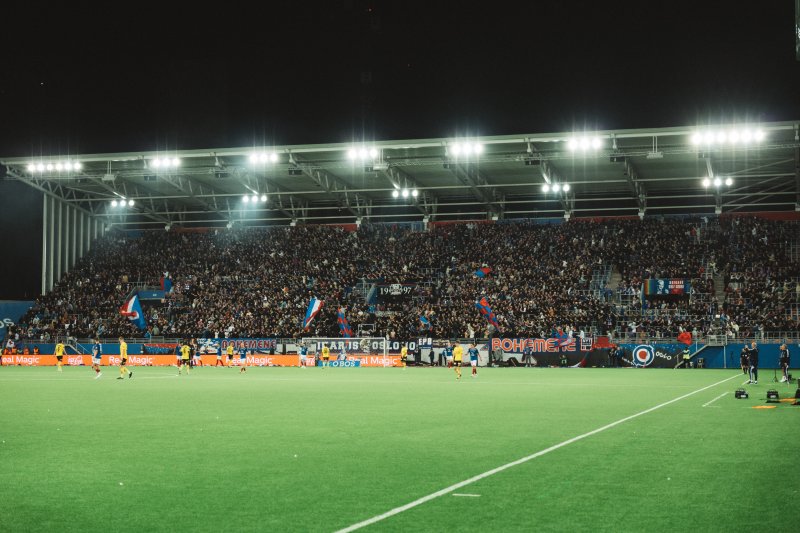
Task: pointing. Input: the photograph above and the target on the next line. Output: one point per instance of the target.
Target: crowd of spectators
(582, 276)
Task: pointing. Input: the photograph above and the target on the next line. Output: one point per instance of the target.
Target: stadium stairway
(616, 277)
(719, 287)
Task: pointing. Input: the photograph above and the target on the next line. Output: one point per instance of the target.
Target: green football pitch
(289, 449)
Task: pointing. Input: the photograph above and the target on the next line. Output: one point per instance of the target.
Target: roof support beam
(402, 180)
(550, 176)
(469, 175)
(717, 190)
(637, 187)
(333, 185)
(796, 175)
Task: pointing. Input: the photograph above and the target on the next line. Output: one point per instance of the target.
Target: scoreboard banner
(666, 287)
(651, 355)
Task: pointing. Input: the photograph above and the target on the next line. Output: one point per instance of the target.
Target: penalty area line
(714, 400)
(473, 479)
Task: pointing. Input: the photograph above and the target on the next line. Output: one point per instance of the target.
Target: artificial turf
(289, 449)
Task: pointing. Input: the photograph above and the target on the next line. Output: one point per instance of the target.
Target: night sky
(143, 77)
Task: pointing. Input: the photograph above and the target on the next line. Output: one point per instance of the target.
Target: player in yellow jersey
(59, 355)
(458, 352)
(326, 355)
(403, 355)
(229, 351)
(123, 359)
(185, 354)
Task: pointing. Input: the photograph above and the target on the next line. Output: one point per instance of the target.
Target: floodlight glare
(414, 193)
(596, 143)
(545, 188)
(130, 203)
(59, 166)
(156, 162)
(477, 148)
(706, 182)
(747, 136)
(728, 182)
(556, 187)
(273, 157)
(721, 137)
(363, 153)
(697, 138)
(49, 167)
(733, 137)
(456, 149)
(31, 168)
(40, 167)
(759, 136)
(77, 165)
(565, 188)
(395, 193)
(255, 198)
(262, 158)
(373, 153)
(351, 153)
(717, 182)
(176, 162)
(584, 143)
(405, 193)
(113, 203)
(572, 144)
(245, 198)
(253, 158)
(263, 198)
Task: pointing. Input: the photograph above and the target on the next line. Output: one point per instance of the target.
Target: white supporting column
(44, 243)
(73, 248)
(52, 242)
(81, 227)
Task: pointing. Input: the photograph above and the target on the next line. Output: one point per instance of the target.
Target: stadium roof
(621, 172)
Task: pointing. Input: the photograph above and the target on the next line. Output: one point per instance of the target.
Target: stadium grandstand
(569, 226)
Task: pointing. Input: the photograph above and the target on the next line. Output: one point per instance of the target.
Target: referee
(784, 362)
(753, 356)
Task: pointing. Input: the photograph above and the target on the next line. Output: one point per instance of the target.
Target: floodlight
(405, 193)
(59, 166)
(721, 137)
(253, 158)
(77, 165)
(733, 137)
(455, 149)
(245, 198)
(363, 153)
(255, 197)
(130, 203)
(565, 188)
(31, 168)
(273, 157)
(584, 143)
(49, 167)
(156, 162)
(728, 182)
(113, 203)
(596, 143)
(717, 182)
(477, 148)
(40, 167)
(708, 137)
(545, 188)
(373, 153)
(556, 187)
(706, 182)
(759, 136)
(395, 193)
(572, 144)
(263, 198)
(176, 162)
(697, 138)
(414, 193)
(351, 153)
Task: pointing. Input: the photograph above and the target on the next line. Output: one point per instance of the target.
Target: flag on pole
(314, 307)
(133, 310)
(486, 311)
(344, 325)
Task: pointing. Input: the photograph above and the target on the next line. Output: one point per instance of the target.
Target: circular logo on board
(643, 355)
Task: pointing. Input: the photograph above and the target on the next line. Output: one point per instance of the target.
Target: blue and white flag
(314, 307)
(133, 310)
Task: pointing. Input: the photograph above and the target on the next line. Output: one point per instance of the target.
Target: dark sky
(138, 76)
(145, 76)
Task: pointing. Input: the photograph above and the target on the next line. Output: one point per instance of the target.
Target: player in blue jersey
(97, 354)
(473, 359)
(448, 355)
(303, 353)
(242, 357)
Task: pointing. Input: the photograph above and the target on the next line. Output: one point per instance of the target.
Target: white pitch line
(473, 479)
(714, 400)
(468, 495)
